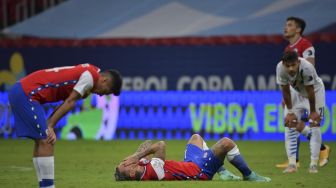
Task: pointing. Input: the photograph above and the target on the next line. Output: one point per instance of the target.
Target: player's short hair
(299, 22)
(290, 56)
(116, 81)
(120, 176)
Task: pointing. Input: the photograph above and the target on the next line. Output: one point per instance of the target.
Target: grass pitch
(91, 164)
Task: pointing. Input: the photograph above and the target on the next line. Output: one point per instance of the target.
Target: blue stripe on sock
(241, 165)
(47, 182)
(40, 183)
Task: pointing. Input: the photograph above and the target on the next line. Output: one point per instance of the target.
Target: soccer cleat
(290, 169)
(226, 175)
(256, 177)
(324, 156)
(313, 169)
(285, 165)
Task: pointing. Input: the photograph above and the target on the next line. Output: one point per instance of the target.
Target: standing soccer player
(67, 84)
(302, 76)
(293, 33)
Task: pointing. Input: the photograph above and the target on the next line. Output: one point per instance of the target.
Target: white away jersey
(306, 76)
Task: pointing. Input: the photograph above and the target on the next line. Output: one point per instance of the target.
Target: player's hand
(314, 119)
(133, 159)
(291, 120)
(51, 136)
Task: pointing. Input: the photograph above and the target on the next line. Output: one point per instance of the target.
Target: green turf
(91, 164)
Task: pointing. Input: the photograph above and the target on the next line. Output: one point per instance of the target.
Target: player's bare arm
(60, 111)
(314, 117)
(143, 146)
(290, 119)
(311, 60)
(158, 150)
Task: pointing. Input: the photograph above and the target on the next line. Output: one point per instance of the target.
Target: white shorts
(300, 103)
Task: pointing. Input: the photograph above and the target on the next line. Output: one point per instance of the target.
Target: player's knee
(300, 126)
(196, 137)
(227, 144)
(43, 144)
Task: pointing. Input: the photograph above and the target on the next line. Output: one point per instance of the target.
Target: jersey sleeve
(84, 84)
(157, 165)
(281, 77)
(309, 52)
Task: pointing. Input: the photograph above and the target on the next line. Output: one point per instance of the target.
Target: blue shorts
(205, 159)
(29, 116)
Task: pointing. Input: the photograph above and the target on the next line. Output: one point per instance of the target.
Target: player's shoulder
(305, 42)
(305, 64)
(87, 66)
(279, 65)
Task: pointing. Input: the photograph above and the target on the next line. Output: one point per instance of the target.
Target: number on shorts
(321, 112)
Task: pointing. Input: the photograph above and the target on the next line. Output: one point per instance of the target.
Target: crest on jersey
(295, 50)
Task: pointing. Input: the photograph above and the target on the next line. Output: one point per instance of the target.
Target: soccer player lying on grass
(200, 162)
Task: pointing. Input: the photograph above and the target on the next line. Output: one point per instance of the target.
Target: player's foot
(290, 169)
(285, 165)
(256, 177)
(324, 156)
(226, 175)
(313, 169)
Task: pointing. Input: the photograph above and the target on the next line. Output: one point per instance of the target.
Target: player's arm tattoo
(311, 97)
(161, 152)
(286, 96)
(143, 146)
(158, 150)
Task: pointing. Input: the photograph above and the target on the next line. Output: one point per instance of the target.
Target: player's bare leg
(43, 159)
(197, 140)
(223, 173)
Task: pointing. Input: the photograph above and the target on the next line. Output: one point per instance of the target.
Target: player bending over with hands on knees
(200, 163)
(67, 84)
(301, 75)
(293, 31)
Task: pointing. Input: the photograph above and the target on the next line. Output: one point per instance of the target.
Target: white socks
(291, 144)
(37, 169)
(315, 145)
(44, 167)
(232, 153)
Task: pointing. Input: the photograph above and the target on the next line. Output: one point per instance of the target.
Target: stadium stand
(165, 18)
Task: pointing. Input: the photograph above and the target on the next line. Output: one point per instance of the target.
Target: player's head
(128, 173)
(109, 82)
(291, 62)
(294, 26)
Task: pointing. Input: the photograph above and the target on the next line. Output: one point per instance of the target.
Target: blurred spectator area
(14, 11)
